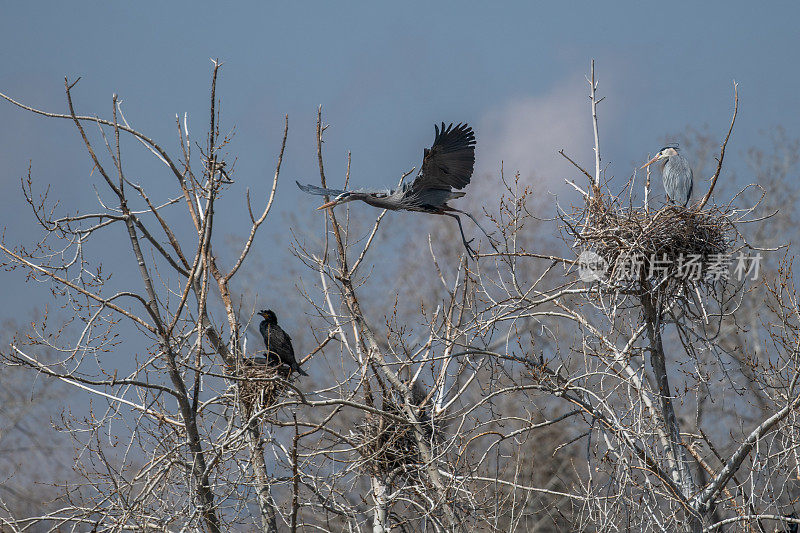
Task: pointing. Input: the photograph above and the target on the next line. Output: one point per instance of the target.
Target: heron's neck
(384, 202)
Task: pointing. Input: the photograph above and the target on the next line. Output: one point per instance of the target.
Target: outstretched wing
(311, 189)
(450, 161)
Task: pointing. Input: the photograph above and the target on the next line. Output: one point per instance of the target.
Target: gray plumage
(446, 165)
(676, 173)
(278, 343)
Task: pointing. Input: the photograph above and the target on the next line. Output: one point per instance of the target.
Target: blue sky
(384, 74)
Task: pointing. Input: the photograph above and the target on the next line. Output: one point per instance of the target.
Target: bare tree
(172, 434)
(499, 394)
(32, 451)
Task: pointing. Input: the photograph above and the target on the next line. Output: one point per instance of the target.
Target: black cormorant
(278, 343)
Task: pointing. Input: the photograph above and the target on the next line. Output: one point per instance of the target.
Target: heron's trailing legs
(466, 243)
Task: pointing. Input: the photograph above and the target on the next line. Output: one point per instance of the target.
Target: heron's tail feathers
(300, 371)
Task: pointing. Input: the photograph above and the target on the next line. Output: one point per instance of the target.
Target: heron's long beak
(649, 162)
(329, 204)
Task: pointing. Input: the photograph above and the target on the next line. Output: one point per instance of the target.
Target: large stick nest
(680, 244)
(387, 442)
(261, 385)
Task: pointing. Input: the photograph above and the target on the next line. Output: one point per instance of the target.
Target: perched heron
(677, 174)
(278, 343)
(448, 164)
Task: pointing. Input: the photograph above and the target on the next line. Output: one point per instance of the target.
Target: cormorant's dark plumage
(278, 343)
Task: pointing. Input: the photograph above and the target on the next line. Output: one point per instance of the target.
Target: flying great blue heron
(278, 343)
(448, 164)
(677, 174)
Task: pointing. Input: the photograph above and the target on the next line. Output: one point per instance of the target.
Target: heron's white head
(667, 151)
(346, 196)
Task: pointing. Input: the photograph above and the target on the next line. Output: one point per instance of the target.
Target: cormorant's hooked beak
(656, 158)
(329, 204)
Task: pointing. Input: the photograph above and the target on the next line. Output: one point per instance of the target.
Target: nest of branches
(643, 249)
(261, 385)
(387, 442)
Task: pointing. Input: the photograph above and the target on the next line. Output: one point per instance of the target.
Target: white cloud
(527, 133)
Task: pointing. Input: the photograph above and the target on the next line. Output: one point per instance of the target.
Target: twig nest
(388, 445)
(261, 385)
(637, 248)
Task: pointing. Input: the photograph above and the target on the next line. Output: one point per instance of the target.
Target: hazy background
(384, 75)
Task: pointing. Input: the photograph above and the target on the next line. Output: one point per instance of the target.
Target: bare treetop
(619, 365)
